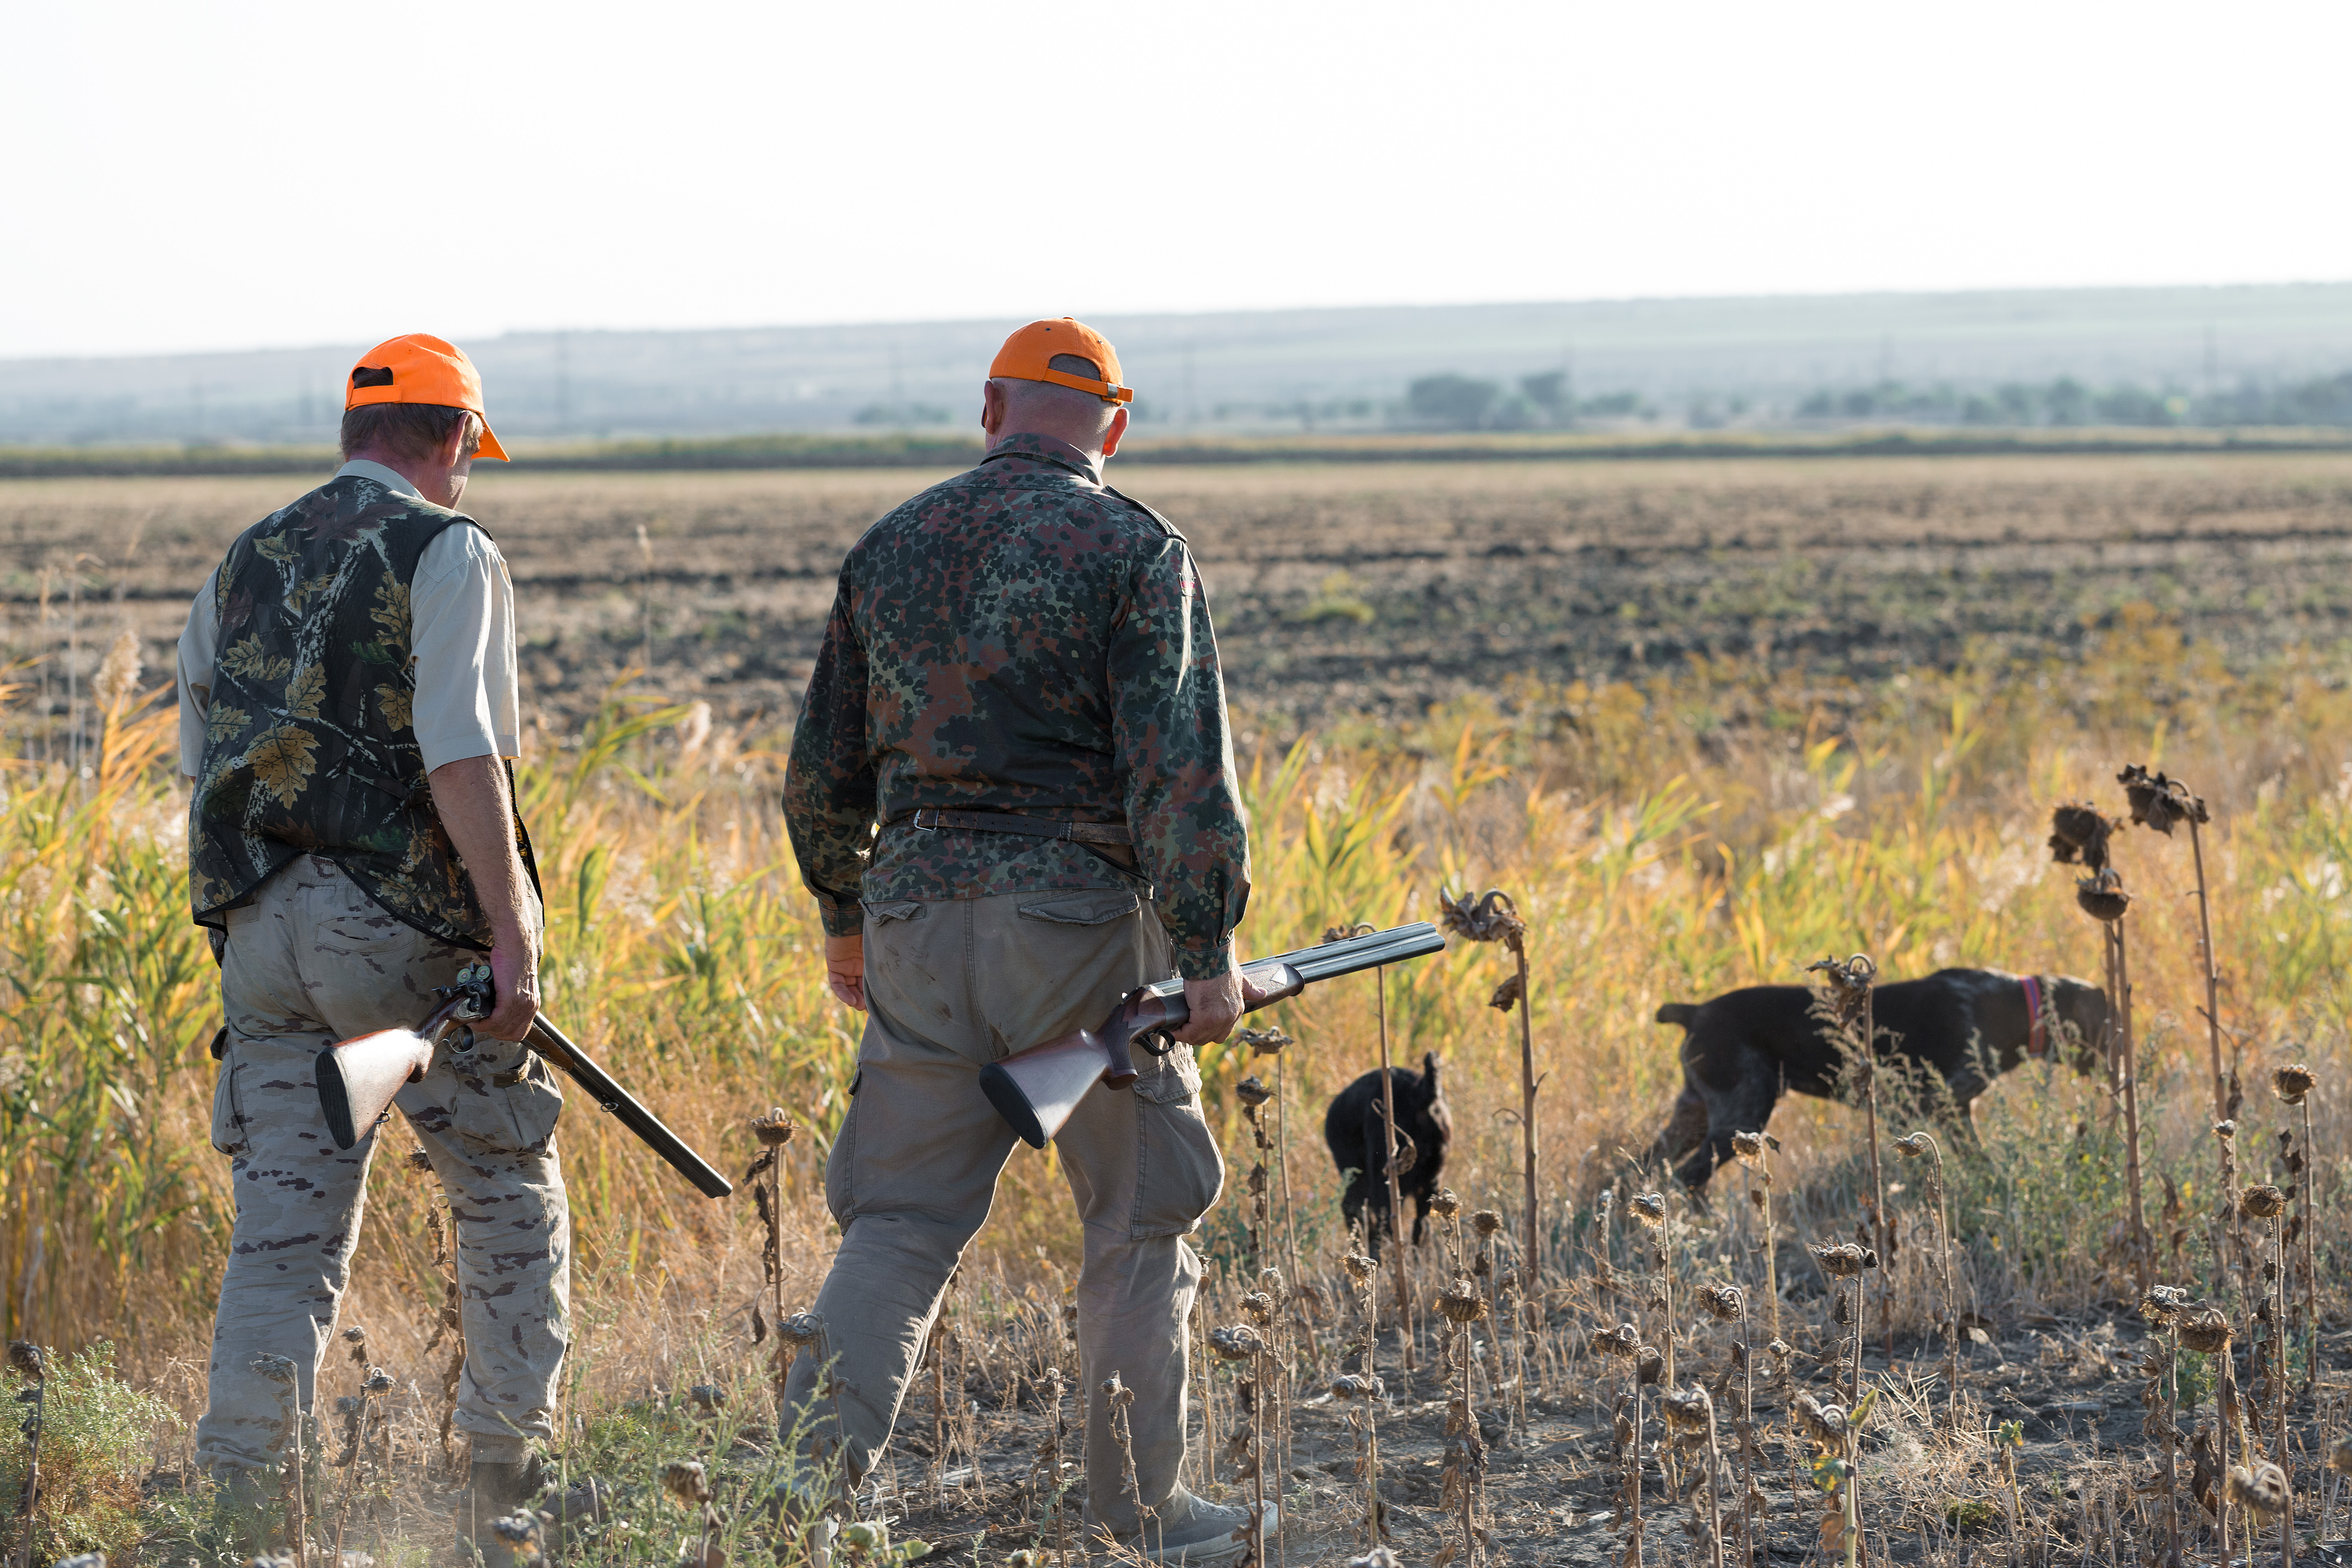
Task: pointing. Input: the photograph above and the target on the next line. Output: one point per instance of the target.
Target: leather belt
(932, 819)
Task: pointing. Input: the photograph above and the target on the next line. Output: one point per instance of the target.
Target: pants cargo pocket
(229, 1126)
(1178, 1172)
(503, 1105)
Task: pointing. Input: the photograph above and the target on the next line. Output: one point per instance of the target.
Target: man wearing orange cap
(1019, 684)
(348, 706)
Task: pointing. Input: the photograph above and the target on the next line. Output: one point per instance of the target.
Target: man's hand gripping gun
(358, 1077)
(1036, 1090)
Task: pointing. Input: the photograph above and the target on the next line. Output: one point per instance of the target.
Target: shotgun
(1035, 1090)
(358, 1077)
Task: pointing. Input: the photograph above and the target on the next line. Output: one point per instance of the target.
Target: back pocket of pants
(1093, 908)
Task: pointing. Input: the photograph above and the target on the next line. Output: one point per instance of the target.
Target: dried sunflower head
(1259, 1305)
(1724, 1301)
(1237, 1343)
(1359, 1267)
(1492, 918)
(1251, 1092)
(1262, 1042)
(801, 1328)
(1649, 1366)
(775, 1130)
(27, 1358)
(1844, 1261)
(2225, 1131)
(1913, 1145)
(708, 1397)
(1486, 1222)
(2159, 802)
(2206, 1333)
(1461, 1302)
(1377, 1557)
(1824, 1424)
(1686, 1410)
(685, 1481)
(2163, 1304)
(1624, 1340)
(2262, 1490)
(1747, 1147)
(1445, 1203)
(1343, 932)
(1116, 1394)
(1352, 1386)
(378, 1380)
(2078, 837)
(2262, 1202)
(1650, 1208)
(2291, 1084)
(2102, 897)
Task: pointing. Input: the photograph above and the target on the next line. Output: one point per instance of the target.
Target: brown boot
(495, 1492)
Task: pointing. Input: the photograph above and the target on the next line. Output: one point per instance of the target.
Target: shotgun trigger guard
(1157, 1042)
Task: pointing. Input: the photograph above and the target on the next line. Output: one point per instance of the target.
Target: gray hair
(411, 430)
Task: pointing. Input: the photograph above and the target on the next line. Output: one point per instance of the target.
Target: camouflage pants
(312, 960)
(953, 986)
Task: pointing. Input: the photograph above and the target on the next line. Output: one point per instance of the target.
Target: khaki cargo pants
(953, 986)
(312, 960)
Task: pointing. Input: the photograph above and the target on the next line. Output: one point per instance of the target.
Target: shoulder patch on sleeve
(1166, 527)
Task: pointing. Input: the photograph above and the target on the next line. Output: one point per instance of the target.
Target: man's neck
(1055, 448)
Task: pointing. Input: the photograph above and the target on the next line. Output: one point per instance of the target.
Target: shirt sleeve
(462, 643)
(1175, 753)
(829, 782)
(199, 653)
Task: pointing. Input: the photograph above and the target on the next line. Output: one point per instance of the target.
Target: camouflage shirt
(1020, 639)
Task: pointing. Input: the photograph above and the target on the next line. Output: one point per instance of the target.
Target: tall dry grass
(1720, 825)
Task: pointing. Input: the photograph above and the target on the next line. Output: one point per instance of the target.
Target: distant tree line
(1465, 403)
(2068, 402)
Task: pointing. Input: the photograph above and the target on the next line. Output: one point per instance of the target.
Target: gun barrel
(1035, 1090)
(610, 1097)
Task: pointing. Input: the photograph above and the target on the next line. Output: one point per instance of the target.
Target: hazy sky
(223, 175)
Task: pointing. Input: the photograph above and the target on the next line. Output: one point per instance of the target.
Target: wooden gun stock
(1036, 1090)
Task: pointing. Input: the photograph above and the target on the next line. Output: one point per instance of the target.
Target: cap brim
(491, 448)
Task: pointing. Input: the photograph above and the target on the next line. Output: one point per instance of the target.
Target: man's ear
(992, 409)
(453, 444)
(1118, 429)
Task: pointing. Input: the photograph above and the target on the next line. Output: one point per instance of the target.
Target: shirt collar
(1048, 448)
(390, 478)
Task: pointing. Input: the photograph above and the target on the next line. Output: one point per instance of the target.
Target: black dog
(1745, 1049)
(1358, 1133)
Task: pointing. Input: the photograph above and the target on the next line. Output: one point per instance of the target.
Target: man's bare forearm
(470, 795)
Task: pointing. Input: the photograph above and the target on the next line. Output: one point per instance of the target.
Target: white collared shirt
(461, 641)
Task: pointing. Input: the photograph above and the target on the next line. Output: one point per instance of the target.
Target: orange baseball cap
(417, 367)
(1028, 355)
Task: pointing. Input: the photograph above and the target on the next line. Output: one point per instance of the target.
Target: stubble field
(1342, 589)
(1706, 722)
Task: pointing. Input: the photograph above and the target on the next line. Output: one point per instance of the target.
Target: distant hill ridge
(1633, 363)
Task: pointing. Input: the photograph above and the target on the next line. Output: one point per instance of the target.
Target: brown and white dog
(1745, 1049)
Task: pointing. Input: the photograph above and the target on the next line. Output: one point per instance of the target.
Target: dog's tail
(1682, 1012)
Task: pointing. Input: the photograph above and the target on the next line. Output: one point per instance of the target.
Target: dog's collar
(2037, 1031)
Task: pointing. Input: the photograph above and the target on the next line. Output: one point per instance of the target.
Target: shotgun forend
(1036, 1090)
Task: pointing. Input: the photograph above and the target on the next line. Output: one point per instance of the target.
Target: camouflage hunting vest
(310, 743)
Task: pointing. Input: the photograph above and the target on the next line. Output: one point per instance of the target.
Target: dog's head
(2081, 1024)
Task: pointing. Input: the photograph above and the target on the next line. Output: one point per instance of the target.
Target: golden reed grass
(1715, 827)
